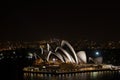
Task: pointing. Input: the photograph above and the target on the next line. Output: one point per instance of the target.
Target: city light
(30, 55)
(97, 53)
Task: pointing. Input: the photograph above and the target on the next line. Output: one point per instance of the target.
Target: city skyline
(33, 21)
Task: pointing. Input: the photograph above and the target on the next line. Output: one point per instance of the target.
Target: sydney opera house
(65, 53)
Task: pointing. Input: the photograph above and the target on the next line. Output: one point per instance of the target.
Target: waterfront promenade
(60, 72)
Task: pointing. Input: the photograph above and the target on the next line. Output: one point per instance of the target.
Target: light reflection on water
(102, 75)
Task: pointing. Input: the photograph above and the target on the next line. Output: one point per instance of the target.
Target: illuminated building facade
(65, 53)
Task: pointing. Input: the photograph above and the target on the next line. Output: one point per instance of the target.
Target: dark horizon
(33, 21)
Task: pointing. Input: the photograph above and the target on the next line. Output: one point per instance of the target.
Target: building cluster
(87, 44)
(78, 45)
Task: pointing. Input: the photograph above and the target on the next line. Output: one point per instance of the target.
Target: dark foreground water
(16, 74)
(106, 75)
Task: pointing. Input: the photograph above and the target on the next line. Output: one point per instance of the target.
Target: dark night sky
(35, 21)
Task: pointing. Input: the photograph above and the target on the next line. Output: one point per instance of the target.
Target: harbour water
(101, 75)
(8, 73)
